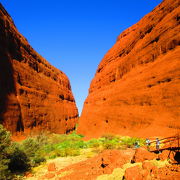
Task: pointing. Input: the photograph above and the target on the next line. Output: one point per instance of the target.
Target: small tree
(5, 143)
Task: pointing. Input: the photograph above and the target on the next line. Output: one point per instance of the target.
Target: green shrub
(5, 144)
(72, 152)
(30, 147)
(109, 145)
(33, 151)
(19, 162)
(42, 139)
(130, 142)
(94, 143)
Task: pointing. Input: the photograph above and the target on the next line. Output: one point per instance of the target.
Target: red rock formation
(136, 88)
(33, 93)
(103, 163)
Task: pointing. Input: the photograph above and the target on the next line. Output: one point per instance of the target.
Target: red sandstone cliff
(33, 94)
(136, 89)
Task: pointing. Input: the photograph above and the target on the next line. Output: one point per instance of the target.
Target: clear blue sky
(74, 35)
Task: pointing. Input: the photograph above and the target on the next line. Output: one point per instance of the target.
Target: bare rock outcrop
(136, 89)
(33, 93)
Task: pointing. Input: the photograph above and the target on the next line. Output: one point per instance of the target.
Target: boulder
(142, 154)
(133, 173)
(51, 167)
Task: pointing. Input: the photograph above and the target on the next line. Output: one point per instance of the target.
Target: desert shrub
(72, 152)
(19, 162)
(110, 137)
(42, 139)
(74, 136)
(38, 158)
(78, 144)
(56, 138)
(5, 144)
(109, 141)
(68, 152)
(30, 146)
(64, 152)
(109, 145)
(33, 151)
(94, 143)
(12, 158)
(48, 148)
(63, 145)
(130, 142)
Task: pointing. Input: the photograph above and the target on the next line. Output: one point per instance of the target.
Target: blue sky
(74, 35)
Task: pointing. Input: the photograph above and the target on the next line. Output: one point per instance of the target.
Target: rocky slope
(110, 164)
(33, 94)
(136, 88)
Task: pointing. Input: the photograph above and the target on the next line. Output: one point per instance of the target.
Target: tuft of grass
(130, 141)
(65, 173)
(159, 164)
(118, 173)
(129, 165)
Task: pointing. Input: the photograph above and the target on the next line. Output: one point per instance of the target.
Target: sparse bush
(30, 146)
(109, 145)
(94, 143)
(110, 137)
(32, 149)
(110, 141)
(130, 142)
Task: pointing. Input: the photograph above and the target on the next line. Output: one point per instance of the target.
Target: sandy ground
(60, 162)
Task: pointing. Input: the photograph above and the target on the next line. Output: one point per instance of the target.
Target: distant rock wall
(33, 94)
(136, 89)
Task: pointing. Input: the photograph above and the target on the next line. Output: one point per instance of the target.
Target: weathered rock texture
(33, 94)
(137, 85)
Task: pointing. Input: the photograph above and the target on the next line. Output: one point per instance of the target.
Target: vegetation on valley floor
(21, 157)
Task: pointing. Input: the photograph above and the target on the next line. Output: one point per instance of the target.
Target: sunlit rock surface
(136, 88)
(33, 93)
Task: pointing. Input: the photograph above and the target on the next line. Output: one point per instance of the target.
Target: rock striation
(136, 88)
(33, 93)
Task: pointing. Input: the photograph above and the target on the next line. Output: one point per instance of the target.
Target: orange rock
(136, 87)
(133, 173)
(49, 176)
(142, 154)
(34, 94)
(52, 167)
(148, 166)
(145, 174)
(164, 155)
(103, 163)
(28, 174)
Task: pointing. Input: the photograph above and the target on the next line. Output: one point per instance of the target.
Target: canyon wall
(136, 88)
(33, 93)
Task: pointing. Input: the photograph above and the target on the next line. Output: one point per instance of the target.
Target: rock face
(136, 88)
(33, 94)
